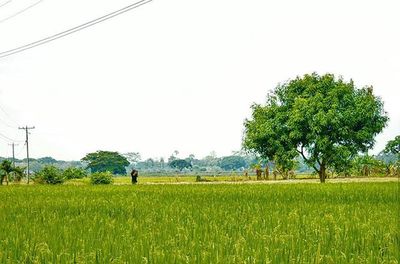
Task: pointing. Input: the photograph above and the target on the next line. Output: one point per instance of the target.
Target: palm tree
(6, 169)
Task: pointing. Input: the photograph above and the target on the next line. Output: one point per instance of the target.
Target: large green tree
(324, 119)
(102, 161)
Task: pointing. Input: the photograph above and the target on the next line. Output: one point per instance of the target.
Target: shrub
(49, 175)
(74, 173)
(101, 178)
(200, 179)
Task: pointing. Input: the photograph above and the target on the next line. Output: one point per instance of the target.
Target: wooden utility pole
(13, 153)
(26, 128)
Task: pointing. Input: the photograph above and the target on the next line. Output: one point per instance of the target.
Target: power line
(4, 137)
(74, 29)
(7, 139)
(9, 117)
(20, 151)
(6, 123)
(5, 3)
(21, 11)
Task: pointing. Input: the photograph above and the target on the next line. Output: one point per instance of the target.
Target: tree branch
(301, 152)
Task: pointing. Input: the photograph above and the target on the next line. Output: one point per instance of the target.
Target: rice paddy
(220, 223)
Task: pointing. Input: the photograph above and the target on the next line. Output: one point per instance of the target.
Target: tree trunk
(285, 174)
(322, 172)
(266, 173)
(259, 174)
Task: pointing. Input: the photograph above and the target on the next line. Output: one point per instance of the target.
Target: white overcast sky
(180, 74)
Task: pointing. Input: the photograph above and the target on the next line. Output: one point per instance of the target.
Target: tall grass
(302, 223)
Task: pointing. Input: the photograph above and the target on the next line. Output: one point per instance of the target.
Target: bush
(365, 165)
(200, 179)
(17, 174)
(101, 178)
(49, 175)
(74, 173)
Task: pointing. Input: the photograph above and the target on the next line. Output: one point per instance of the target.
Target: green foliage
(387, 158)
(101, 178)
(17, 174)
(393, 169)
(102, 161)
(180, 164)
(210, 160)
(10, 173)
(365, 165)
(132, 157)
(49, 175)
(38, 164)
(5, 170)
(232, 163)
(47, 160)
(241, 223)
(201, 179)
(324, 119)
(74, 173)
(393, 147)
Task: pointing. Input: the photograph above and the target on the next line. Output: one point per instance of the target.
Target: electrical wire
(20, 12)
(5, 138)
(9, 117)
(5, 3)
(74, 29)
(20, 151)
(6, 123)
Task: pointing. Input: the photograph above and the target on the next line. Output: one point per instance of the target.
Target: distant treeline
(38, 164)
(208, 164)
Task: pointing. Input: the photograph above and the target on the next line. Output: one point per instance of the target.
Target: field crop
(243, 223)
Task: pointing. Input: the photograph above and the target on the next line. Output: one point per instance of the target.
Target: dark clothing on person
(134, 175)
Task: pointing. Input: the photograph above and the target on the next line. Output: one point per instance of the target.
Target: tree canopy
(232, 163)
(102, 161)
(324, 119)
(393, 146)
(180, 164)
(47, 160)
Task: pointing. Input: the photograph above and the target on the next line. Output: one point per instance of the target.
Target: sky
(179, 74)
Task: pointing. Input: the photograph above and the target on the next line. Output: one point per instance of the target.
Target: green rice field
(201, 223)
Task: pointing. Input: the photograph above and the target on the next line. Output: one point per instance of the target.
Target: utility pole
(13, 153)
(26, 128)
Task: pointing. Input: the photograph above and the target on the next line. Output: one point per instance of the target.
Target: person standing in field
(134, 175)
